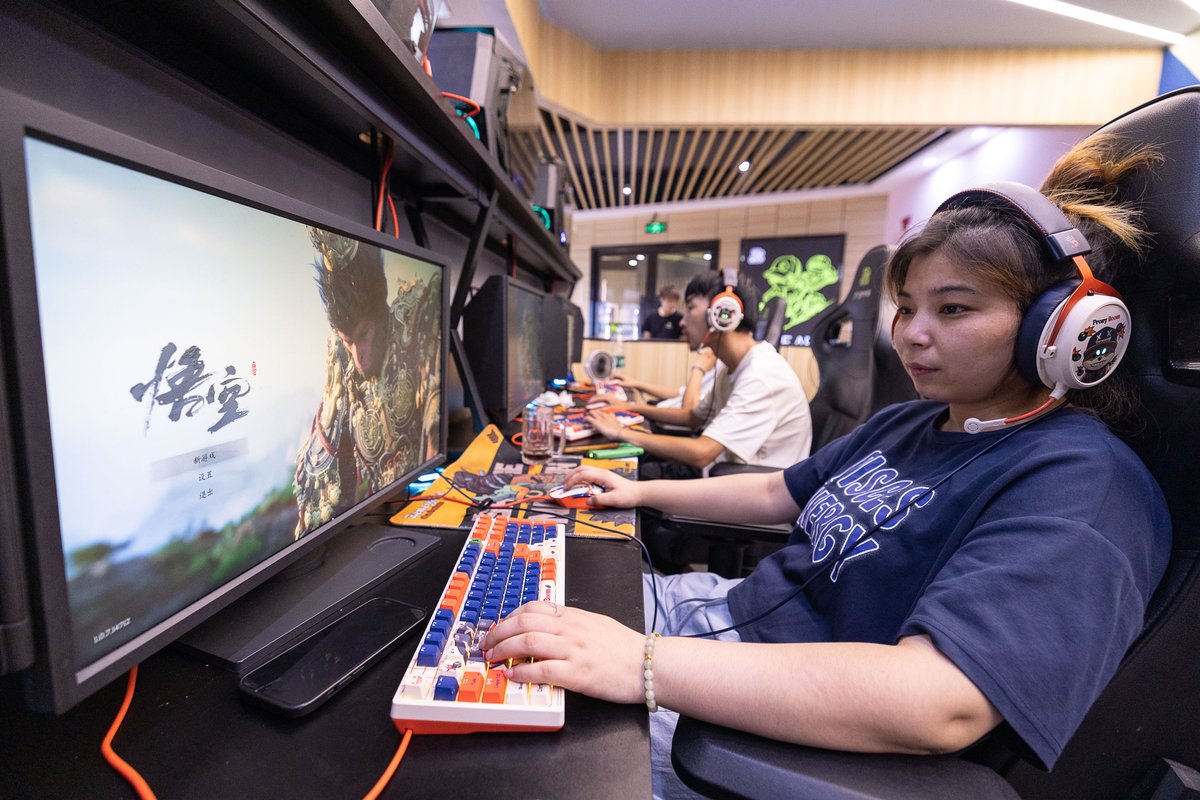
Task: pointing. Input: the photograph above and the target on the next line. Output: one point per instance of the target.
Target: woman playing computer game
(938, 581)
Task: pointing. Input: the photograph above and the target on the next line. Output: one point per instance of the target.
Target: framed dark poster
(804, 271)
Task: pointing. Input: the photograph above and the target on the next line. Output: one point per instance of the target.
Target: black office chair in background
(769, 327)
(1140, 739)
(844, 343)
(848, 363)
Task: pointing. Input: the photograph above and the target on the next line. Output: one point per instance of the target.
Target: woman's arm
(755, 498)
(902, 698)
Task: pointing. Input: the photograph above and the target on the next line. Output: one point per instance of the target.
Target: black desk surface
(191, 735)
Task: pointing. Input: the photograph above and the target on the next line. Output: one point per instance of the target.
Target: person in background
(664, 322)
(756, 412)
(937, 583)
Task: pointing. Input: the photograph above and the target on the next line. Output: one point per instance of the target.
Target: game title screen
(221, 381)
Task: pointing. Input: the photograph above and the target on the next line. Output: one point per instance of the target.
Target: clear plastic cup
(537, 444)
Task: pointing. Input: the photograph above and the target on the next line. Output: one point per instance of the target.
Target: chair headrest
(1163, 295)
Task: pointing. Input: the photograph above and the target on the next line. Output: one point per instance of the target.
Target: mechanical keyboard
(574, 424)
(448, 687)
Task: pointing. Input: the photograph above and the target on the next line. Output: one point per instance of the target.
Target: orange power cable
(383, 182)
(119, 764)
(391, 768)
(458, 98)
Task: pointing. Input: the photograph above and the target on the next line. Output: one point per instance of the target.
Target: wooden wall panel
(793, 218)
(804, 364)
(827, 216)
(691, 226)
(652, 361)
(667, 363)
(959, 86)
(616, 229)
(762, 221)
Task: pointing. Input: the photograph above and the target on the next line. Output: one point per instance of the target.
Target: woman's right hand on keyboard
(575, 649)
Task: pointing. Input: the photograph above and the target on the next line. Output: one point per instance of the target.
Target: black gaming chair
(1140, 739)
(845, 397)
(769, 327)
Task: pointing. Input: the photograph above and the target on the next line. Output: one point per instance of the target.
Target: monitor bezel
(55, 682)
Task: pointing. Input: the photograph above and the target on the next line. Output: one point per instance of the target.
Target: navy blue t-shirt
(1030, 566)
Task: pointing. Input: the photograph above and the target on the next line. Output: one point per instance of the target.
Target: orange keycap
(494, 686)
(470, 688)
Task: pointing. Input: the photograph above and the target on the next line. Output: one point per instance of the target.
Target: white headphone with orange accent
(725, 310)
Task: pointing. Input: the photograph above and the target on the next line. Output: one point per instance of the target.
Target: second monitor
(503, 337)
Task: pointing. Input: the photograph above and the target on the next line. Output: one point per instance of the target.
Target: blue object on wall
(1174, 74)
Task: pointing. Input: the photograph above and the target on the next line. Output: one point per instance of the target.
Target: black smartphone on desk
(307, 674)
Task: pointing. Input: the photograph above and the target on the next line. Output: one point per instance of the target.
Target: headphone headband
(1062, 239)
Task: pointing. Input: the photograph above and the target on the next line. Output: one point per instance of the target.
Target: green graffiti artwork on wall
(800, 286)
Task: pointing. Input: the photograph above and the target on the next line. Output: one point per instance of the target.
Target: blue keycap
(428, 656)
(445, 688)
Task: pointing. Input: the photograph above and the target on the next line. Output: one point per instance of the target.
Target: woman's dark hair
(1008, 252)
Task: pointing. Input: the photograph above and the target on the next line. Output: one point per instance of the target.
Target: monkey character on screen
(378, 416)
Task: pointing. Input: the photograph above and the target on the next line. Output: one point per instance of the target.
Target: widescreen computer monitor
(503, 336)
(205, 381)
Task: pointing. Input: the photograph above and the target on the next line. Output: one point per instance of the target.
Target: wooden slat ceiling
(694, 162)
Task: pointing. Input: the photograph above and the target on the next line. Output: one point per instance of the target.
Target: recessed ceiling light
(1105, 20)
(628, 190)
(708, 256)
(744, 166)
(641, 257)
(633, 262)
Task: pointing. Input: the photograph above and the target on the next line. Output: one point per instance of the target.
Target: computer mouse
(577, 496)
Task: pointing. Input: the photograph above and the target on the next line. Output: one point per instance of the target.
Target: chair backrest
(1150, 708)
(848, 362)
(770, 322)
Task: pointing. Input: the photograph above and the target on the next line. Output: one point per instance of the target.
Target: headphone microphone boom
(1076, 332)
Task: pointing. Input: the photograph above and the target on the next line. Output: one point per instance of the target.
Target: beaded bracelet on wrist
(648, 671)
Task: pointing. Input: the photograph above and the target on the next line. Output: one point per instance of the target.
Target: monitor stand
(326, 583)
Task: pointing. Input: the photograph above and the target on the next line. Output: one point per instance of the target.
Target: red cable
(119, 764)
(395, 218)
(383, 181)
(466, 101)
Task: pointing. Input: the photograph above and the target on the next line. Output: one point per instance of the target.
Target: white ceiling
(834, 24)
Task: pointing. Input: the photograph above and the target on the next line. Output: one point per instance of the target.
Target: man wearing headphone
(756, 411)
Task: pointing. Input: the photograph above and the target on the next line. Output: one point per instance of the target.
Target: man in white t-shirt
(755, 413)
